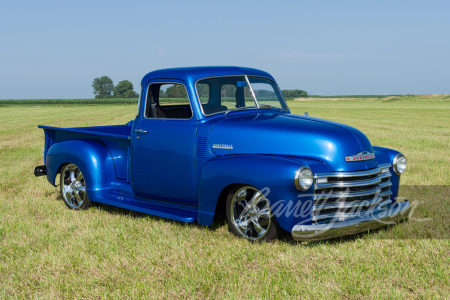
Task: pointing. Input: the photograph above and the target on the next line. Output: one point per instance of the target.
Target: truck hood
(291, 135)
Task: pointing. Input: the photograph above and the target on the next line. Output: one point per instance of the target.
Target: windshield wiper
(241, 108)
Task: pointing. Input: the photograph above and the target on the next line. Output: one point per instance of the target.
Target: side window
(172, 94)
(203, 93)
(168, 101)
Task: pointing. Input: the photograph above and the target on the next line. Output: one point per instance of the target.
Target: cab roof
(192, 74)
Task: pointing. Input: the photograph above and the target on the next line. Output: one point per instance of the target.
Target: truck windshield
(222, 94)
(266, 93)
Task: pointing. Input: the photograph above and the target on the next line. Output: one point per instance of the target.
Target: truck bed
(116, 138)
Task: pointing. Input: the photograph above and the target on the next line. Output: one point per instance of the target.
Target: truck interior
(168, 101)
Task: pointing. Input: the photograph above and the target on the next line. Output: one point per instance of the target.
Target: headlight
(303, 178)
(399, 164)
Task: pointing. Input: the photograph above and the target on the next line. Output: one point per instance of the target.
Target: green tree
(124, 89)
(103, 87)
(130, 94)
(176, 91)
(291, 94)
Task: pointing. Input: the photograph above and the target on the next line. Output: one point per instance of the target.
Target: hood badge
(363, 155)
(223, 146)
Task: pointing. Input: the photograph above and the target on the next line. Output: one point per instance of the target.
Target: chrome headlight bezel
(304, 178)
(398, 161)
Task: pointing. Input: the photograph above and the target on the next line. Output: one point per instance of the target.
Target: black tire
(73, 188)
(252, 221)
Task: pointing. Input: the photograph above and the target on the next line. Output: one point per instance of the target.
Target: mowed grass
(48, 251)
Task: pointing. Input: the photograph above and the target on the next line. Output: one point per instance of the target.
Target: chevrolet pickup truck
(222, 140)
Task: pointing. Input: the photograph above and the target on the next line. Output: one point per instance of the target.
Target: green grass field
(48, 251)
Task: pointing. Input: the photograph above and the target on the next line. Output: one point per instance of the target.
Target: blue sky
(54, 49)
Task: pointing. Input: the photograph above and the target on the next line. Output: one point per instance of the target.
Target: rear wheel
(249, 215)
(73, 187)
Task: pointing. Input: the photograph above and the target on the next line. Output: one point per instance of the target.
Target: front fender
(386, 156)
(272, 172)
(93, 159)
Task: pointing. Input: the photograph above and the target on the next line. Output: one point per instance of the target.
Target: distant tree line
(104, 88)
(229, 90)
(292, 94)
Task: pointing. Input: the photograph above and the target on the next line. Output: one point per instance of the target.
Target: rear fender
(272, 174)
(93, 159)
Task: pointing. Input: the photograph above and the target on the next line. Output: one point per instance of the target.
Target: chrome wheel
(73, 186)
(250, 213)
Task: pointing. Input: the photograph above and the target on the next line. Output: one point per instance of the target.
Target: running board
(163, 209)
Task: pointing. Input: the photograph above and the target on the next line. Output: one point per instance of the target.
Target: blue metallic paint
(163, 157)
(385, 156)
(268, 147)
(276, 133)
(261, 171)
(91, 157)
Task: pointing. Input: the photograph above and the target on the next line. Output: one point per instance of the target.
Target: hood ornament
(363, 155)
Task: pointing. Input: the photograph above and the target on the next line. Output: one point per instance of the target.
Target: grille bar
(385, 184)
(348, 184)
(350, 174)
(345, 204)
(349, 195)
(345, 216)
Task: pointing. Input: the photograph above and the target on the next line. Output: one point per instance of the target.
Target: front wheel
(73, 188)
(249, 215)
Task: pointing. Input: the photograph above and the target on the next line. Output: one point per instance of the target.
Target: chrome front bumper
(397, 212)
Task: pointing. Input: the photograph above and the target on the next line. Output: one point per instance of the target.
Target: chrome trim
(349, 174)
(360, 156)
(344, 204)
(348, 195)
(286, 107)
(386, 193)
(382, 166)
(358, 214)
(255, 212)
(384, 175)
(251, 91)
(394, 163)
(73, 187)
(316, 232)
(140, 130)
(348, 184)
(384, 184)
(241, 75)
(297, 174)
(166, 82)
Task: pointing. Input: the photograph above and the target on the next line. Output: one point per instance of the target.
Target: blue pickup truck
(221, 140)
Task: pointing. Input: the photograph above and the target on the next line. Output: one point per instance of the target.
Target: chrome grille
(341, 196)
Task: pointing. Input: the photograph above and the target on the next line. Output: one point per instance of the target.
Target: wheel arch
(260, 171)
(93, 159)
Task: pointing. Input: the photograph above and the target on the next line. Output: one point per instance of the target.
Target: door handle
(140, 130)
